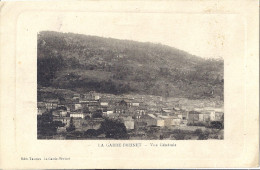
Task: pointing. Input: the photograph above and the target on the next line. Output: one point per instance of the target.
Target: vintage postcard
(129, 84)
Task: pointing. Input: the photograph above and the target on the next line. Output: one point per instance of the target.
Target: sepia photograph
(93, 87)
(129, 84)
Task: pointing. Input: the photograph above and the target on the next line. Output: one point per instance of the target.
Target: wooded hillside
(84, 63)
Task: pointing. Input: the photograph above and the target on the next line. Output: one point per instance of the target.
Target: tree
(97, 114)
(46, 126)
(178, 134)
(85, 109)
(216, 124)
(87, 117)
(58, 124)
(91, 133)
(71, 126)
(47, 66)
(198, 131)
(113, 129)
(204, 135)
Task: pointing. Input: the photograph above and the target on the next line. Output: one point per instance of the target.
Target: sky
(203, 35)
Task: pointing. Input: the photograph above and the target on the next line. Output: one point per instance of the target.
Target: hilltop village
(94, 115)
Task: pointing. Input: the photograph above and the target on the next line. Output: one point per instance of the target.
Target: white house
(160, 122)
(201, 117)
(63, 113)
(77, 115)
(212, 115)
(153, 120)
(104, 103)
(41, 110)
(129, 122)
(78, 106)
(171, 120)
(96, 97)
(110, 112)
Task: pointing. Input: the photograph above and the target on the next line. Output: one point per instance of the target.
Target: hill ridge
(84, 63)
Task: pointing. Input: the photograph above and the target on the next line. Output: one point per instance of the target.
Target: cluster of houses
(89, 110)
(206, 115)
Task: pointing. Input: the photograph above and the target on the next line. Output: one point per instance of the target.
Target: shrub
(71, 127)
(204, 135)
(179, 134)
(91, 133)
(198, 131)
(113, 129)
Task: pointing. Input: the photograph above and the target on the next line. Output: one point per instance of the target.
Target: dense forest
(84, 63)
